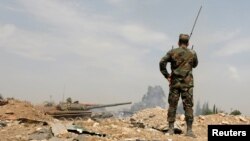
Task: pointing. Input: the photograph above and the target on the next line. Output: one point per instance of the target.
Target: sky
(109, 51)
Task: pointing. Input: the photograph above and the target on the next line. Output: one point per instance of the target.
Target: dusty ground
(148, 124)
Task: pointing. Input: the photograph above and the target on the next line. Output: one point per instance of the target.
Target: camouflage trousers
(187, 100)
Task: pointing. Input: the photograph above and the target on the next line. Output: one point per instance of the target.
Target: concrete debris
(41, 134)
(95, 124)
(154, 118)
(182, 123)
(145, 119)
(58, 129)
(3, 124)
(20, 138)
(16, 109)
(182, 117)
(242, 119)
(225, 122)
(137, 123)
(222, 114)
(201, 117)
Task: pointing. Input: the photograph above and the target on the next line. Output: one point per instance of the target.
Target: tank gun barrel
(106, 105)
(81, 107)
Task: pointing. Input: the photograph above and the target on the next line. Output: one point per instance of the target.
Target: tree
(215, 109)
(206, 110)
(198, 109)
(235, 112)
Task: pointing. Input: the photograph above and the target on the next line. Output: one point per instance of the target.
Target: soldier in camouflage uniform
(182, 61)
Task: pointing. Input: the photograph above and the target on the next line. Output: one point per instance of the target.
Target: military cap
(184, 37)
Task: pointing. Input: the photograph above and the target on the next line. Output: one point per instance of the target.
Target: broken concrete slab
(41, 134)
(58, 129)
(242, 119)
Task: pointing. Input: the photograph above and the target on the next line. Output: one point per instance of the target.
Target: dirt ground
(22, 121)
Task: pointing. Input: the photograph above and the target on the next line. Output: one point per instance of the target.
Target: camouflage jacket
(182, 61)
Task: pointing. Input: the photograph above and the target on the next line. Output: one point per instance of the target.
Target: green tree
(235, 112)
(206, 110)
(198, 109)
(215, 109)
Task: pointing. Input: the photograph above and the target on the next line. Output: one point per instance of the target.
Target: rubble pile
(21, 121)
(16, 109)
(153, 118)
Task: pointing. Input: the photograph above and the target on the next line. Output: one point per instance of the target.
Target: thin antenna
(195, 22)
(63, 92)
(50, 98)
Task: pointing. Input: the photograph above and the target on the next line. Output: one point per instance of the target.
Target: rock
(95, 124)
(38, 129)
(3, 124)
(80, 138)
(41, 134)
(167, 134)
(58, 129)
(201, 117)
(182, 117)
(222, 114)
(55, 139)
(113, 126)
(242, 119)
(162, 127)
(18, 137)
(137, 123)
(151, 115)
(182, 123)
(90, 120)
(177, 129)
(225, 122)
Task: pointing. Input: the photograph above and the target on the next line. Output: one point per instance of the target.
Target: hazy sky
(106, 51)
